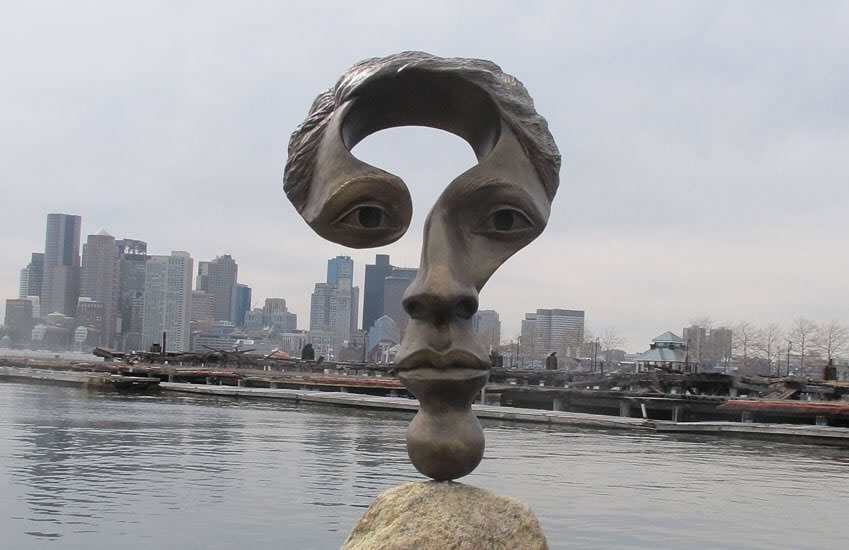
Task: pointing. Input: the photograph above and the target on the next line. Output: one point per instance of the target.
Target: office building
(19, 320)
(99, 281)
(132, 258)
(167, 301)
(487, 325)
(218, 277)
(373, 289)
(334, 305)
(241, 304)
(551, 330)
(32, 276)
(60, 282)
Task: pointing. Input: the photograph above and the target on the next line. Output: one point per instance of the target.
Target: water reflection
(100, 470)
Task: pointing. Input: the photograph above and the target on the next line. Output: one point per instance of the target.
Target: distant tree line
(770, 349)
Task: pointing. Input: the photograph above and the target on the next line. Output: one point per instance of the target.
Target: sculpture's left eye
(505, 222)
(366, 217)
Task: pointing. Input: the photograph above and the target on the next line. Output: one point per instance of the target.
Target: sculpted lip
(452, 359)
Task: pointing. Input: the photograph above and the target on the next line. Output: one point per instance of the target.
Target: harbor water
(90, 470)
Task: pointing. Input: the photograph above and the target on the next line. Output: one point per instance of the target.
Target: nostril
(466, 307)
(414, 308)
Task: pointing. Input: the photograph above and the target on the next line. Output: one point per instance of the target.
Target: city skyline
(103, 257)
(704, 149)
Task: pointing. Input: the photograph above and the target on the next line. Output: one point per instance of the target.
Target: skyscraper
(168, 301)
(60, 283)
(338, 267)
(334, 305)
(374, 288)
(241, 304)
(220, 280)
(32, 276)
(132, 258)
(548, 330)
(99, 277)
(488, 326)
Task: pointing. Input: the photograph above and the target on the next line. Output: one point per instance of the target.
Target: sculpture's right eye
(367, 216)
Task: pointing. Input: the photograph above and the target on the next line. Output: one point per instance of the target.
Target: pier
(74, 378)
(821, 435)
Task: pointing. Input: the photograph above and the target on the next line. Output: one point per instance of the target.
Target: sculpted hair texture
(515, 105)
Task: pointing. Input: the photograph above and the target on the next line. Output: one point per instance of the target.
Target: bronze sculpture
(481, 219)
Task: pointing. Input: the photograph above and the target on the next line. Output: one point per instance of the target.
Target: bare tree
(768, 344)
(831, 338)
(610, 340)
(744, 341)
(801, 335)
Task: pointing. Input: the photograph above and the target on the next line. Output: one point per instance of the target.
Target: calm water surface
(84, 469)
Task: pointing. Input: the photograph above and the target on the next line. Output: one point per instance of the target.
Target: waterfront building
(132, 258)
(218, 277)
(19, 319)
(32, 276)
(551, 330)
(487, 325)
(60, 282)
(99, 281)
(374, 288)
(667, 351)
(167, 301)
(220, 335)
(241, 304)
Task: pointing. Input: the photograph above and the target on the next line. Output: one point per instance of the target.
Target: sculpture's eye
(368, 216)
(504, 222)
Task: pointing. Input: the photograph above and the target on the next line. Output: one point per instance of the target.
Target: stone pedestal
(443, 516)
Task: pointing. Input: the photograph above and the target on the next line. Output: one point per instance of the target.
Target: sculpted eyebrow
(486, 184)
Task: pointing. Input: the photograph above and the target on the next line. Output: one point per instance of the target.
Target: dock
(76, 378)
(536, 416)
(797, 433)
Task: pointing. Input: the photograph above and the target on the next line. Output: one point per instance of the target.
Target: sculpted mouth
(430, 359)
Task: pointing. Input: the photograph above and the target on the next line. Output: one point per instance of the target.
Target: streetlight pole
(789, 347)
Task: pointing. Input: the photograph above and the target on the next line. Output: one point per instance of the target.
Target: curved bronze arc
(355, 204)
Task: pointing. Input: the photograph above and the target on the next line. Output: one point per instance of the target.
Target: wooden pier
(75, 378)
(821, 435)
(411, 405)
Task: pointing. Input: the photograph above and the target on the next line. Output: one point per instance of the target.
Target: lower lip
(448, 373)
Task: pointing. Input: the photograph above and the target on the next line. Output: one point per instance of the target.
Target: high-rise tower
(99, 280)
(60, 284)
(168, 301)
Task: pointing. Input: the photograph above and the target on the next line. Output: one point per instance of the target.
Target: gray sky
(706, 144)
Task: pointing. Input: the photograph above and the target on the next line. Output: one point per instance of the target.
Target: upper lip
(457, 358)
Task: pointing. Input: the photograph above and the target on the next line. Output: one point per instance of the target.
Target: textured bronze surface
(482, 218)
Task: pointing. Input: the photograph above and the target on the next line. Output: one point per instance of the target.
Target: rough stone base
(444, 516)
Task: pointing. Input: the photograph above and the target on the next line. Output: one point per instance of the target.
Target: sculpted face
(481, 219)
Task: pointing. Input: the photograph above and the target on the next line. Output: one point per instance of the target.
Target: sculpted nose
(439, 299)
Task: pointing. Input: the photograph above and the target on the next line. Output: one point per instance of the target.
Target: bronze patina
(482, 218)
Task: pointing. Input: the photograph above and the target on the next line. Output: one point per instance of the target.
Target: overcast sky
(706, 144)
